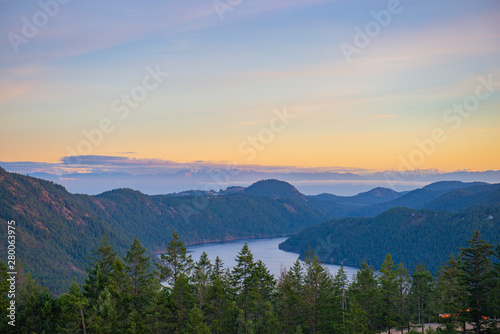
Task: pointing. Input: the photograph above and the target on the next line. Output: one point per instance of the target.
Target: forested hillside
(57, 230)
(124, 295)
(446, 195)
(411, 236)
(276, 189)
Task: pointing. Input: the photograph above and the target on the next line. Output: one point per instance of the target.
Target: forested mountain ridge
(411, 236)
(446, 195)
(453, 200)
(452, 185)
(345, 206)
(56, 230)
(276, 189)
(374, 196)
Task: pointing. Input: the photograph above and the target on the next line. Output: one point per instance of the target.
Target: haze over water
(265, 249)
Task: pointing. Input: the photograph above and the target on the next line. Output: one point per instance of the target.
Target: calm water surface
(262, 249)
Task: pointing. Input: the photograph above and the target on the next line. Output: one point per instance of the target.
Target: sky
(317, 84)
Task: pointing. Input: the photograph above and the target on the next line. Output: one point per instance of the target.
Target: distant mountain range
(57, 230)
(92, 174)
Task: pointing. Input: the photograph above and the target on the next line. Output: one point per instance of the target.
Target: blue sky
(229, 73)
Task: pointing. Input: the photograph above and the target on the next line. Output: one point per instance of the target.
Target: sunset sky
(260, 82)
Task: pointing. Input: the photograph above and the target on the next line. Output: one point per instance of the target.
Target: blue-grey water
(265, 249)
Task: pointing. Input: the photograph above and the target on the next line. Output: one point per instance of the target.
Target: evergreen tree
(95, 283)
(181, 303)
(291, 302)
(105, 256)
(388, 293)
(340, 286)
(106, 317)
(120, 288)
(477, 278)
(265, 284)
(264, 281)
(100, 270)
(266, 321)
(356, 320)
(175, 261)
(319, 296)
(73, 305)
(495, 296)
(38, 311)
(243, 282)
(221, 312)
(450, 293)
(403, 281)
(157, 310)
(421, 290)
(196, 323)
(137, 267)
(218, 268)
(201, 279)
(364, 292)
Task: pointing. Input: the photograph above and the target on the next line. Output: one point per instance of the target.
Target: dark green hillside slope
(55, 230)
(346, 206)
(200, 219)
(374, 196)
(461, 199)
(449, 196)
(444, 195)
(410, 236)
(276, 189)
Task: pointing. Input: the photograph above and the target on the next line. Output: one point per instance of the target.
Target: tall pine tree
(388, 293)
(137, 267)
(175, 261)
(477, 278)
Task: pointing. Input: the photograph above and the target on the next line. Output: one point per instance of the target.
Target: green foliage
(276, 189)
(421, 291)
(363, 292)
(477, 277)
(175, 261)
(137, 267)
(59, 230)
(306, 299)
(72, 306)
(453, 196)
(181, 303)
(196, 323)
(411, 236)
(388, 293)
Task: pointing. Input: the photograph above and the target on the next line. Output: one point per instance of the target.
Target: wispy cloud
(96, 174)
(436, 44)
(133, 166)
(11, 90)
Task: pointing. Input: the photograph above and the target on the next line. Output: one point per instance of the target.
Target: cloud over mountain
(95, 174)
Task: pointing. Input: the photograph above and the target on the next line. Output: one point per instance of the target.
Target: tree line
(175, 294)
(402, 232)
